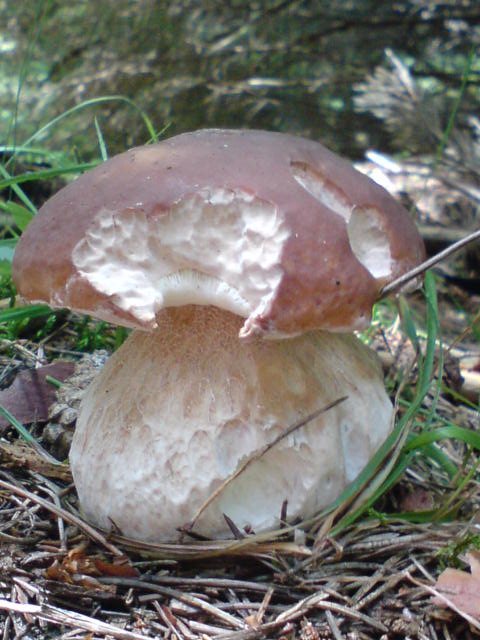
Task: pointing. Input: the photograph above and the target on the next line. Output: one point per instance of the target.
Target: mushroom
(244, 261)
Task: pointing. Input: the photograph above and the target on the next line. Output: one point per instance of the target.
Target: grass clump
(450, 554)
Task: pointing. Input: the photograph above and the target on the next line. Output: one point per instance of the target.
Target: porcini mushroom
(244, 260)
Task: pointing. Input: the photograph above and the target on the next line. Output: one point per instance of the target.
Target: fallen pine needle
(65, 515)
(71, 619)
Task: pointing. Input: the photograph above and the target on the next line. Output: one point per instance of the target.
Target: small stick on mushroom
(412, 274)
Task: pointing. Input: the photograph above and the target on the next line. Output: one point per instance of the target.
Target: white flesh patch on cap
(322, 190)
(367, 237)
(217, 246)
(369, 242)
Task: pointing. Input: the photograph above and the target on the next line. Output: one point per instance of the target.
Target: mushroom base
(175, 412)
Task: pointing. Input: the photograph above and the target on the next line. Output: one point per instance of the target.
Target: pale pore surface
(175, 412)
(322, 190)
(368, 239)
(219, 247)
(369, 242)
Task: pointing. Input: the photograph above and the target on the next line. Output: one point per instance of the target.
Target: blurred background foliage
(355, 74)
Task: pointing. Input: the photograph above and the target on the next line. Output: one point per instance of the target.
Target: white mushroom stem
(176, 412)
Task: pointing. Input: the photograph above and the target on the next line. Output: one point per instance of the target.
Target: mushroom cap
(275, 228)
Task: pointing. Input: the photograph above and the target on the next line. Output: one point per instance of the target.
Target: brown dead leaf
(75, 562)
(60, 572)
(121, 569)
(461, 588)
(417, 500)
(79, 568)
(29, 397)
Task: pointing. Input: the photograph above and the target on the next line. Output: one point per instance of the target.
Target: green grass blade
(451, 121)
(408, 324)
(432, 333)
(101, 141)
(91, 103)
(437, 455)
(44, 174)
(10, 181)
(21, 215)
(24, 313)
(31, 151)
(27, 436)
(453, 432)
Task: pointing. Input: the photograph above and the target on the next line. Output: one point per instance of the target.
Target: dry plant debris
(61, 578)
(54, 579)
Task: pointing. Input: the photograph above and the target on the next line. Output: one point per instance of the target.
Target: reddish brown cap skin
(323, 283)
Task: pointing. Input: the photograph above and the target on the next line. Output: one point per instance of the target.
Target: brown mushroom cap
(279, 229)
